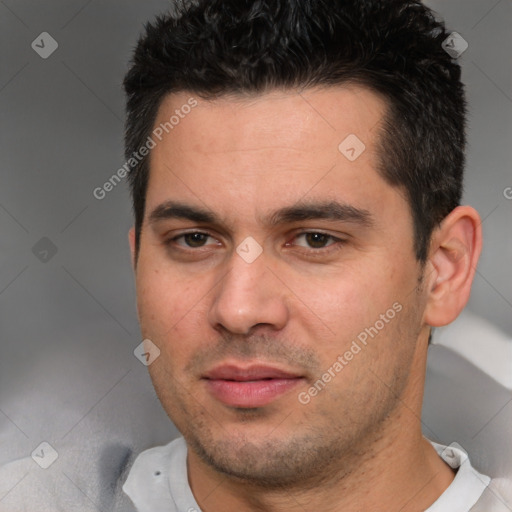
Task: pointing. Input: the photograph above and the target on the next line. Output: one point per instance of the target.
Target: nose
(249, 294)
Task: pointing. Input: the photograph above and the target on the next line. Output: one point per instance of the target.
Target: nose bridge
(248, 294)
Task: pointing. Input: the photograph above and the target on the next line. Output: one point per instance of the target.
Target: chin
(270, 463)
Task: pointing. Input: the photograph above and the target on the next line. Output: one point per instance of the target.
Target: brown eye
(193, 240)
(316, 240)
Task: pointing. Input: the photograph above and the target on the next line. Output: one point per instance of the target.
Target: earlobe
(454, 253)
(131, 241)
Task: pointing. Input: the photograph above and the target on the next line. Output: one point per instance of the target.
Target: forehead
(251, 153)
(290, 118)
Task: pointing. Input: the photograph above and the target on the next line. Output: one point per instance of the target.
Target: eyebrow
(303, 211)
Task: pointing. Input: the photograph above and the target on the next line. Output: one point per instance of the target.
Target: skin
(357, 445)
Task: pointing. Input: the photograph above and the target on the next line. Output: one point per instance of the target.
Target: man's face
(244, 339)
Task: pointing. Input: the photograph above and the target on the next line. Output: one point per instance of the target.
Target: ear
(131, 241)
(454, 251)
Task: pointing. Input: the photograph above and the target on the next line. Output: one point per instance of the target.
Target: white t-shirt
(158, 482)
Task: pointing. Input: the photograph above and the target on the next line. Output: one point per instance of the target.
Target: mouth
(250, 386)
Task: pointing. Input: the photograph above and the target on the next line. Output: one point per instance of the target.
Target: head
(356, 256)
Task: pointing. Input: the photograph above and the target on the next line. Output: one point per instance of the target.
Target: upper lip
(253, 372)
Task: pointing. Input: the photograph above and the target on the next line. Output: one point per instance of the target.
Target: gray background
(68, 325)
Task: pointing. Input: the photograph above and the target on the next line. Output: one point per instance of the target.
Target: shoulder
(148, 484)
(465, 405)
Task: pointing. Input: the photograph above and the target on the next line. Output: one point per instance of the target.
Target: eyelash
(336, 242)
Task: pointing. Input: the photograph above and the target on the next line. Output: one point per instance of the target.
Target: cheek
(157, 301)
(343, 302)
(171, 311)
(348, 305)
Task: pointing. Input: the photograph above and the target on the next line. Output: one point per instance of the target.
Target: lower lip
(248, 394)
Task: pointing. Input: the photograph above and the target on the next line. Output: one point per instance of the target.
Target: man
(297, 175)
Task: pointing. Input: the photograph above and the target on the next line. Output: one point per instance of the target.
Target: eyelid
(335, 244)
(172, 239)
